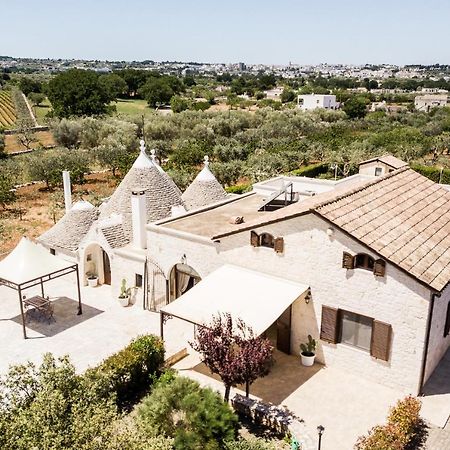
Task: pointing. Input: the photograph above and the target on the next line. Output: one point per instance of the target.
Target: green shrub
(404, 430)
(250, 444)
(239, 188)
(433, 173)
(193, 416)
(311, 171)
(130, 371)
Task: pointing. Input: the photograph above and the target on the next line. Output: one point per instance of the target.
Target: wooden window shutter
(380, 344)
(279, 245)
(329, 326)
(254, 239)
(447, 322)
(379, 268)
(348, 261)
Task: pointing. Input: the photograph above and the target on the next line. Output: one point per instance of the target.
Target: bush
(239, 188)
(193, 416)
(311, 171)
(251, 444)
(433, 173)
(405, 430)
(67, 133)
(130, 371)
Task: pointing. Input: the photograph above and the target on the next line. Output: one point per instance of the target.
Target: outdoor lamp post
(320, 430)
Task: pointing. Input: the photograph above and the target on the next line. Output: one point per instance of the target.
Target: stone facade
(438, 344)
(313, 257)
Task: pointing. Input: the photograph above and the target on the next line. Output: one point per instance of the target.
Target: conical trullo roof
(69, 231)
(160, 191)
(204, 190)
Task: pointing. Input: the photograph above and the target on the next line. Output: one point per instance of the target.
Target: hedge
(311, 171)
(433, 173)
(239, 188)
(131, 371)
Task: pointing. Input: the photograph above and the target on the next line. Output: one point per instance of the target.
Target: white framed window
(378, 171)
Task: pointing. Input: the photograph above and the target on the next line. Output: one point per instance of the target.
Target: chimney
(67, 191)
(139, 216)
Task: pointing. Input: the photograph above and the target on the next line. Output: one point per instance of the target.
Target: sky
(249, 31)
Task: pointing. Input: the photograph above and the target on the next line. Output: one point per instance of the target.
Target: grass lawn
(41, 110)
(135, 107)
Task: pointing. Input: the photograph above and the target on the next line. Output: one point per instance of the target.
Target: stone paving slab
(103, 329)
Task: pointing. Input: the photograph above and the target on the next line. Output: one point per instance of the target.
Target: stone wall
(312, 257)
(275, 418)
(438, 344)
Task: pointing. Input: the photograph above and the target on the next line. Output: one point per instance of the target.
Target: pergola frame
(40, 281)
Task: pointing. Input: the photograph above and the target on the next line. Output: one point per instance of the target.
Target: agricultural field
(133, 107)
(8, 115)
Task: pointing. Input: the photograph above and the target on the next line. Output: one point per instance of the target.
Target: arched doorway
(182, 278)
(97, 263)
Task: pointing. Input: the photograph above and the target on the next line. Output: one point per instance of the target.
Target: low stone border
(274, 417)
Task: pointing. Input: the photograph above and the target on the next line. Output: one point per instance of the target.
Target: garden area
(130, 401)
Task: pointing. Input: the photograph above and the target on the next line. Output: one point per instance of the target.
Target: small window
(363, 261)
(356, 330)
(138, 280)
(89, 257)
(52, 251)
(267, 240)
(378, 171)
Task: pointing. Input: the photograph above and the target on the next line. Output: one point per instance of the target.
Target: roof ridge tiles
(361, 188)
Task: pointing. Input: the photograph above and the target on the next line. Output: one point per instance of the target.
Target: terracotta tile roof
(405, 218)
(390, 160)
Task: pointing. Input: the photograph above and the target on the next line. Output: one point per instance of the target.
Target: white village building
(362, 264)
(309, 102)
(429, 101)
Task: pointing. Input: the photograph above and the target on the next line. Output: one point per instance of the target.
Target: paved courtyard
(104, 327)
(346, 405)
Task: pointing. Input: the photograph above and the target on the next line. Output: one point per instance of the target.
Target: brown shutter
(379, 268)
(254, 239)
(279, 245)
(380, 344)
(348, 261)
(329, 326)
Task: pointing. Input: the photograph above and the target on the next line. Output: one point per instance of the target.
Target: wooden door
(284, 331)
(106, 269)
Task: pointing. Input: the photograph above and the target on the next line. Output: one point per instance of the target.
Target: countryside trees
(7, 192)
(231, 350)
(113, 85)
(355, 107)
(77, 93)
(158, 90)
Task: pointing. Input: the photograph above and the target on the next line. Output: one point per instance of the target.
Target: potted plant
(124, 296)
(92, 279)
(307, 351)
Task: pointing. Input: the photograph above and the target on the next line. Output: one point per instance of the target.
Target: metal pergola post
(80, 308)
(19, 291)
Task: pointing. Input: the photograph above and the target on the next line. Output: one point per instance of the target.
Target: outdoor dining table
(41, 304)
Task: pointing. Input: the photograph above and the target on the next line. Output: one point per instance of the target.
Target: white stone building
(309, 102)
(429, 101)
(373, 253)
(362, 264)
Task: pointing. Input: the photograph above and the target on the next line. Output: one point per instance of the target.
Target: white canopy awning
(256, 298)
(29, 261)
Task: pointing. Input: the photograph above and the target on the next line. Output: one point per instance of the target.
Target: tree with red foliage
(232, 351)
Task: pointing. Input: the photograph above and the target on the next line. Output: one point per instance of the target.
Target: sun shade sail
(256, 298)
(29, 261)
